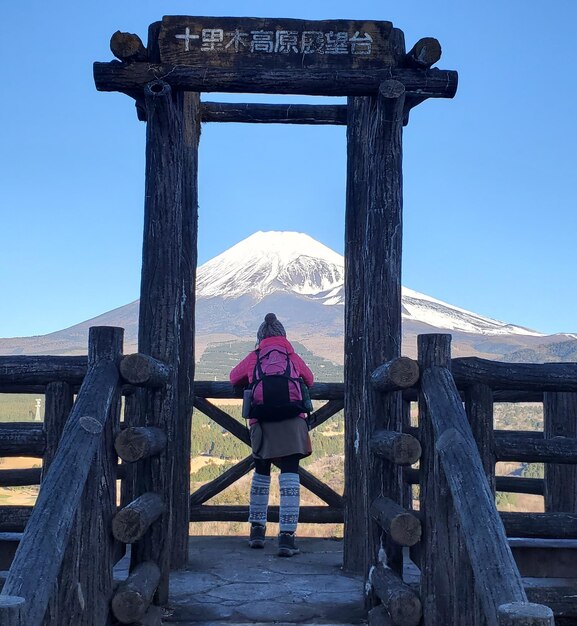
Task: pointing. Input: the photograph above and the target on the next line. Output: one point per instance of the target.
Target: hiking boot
(286, 544)
(257, 534)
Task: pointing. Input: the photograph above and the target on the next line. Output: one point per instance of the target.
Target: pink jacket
(242, 374)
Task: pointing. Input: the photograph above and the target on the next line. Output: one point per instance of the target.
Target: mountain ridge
(303, 282)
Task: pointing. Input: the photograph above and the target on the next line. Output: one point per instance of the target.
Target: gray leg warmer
(259, 490)
(289, 501)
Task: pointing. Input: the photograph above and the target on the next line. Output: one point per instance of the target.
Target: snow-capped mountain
(302, 281)
(286, 262)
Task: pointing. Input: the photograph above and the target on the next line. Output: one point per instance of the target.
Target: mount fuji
(302, 281)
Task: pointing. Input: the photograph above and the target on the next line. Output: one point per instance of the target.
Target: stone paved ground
(228, 583)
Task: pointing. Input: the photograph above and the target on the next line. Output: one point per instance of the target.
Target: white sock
(259, 490)
(289, 501)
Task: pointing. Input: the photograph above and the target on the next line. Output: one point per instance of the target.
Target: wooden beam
(41, 370)
(131, 523)
(328, 410)
(402, 603)
(41, 549)
(134, 595)
(402, 525)
(540, 525)
(143, 370)
(12, 610)
(373, 242)
(219, 484)
(433, 83)
(479, 409)
(536, 450)
(525, 614)
(320, 489)
(22, 439)
(13, 519)
(223, 419)
(222, 513)
(515, 376)
(425, 53)
(399, 373)
(399, 448)
(138, 442)
(224, 390)
(128, 47)
(314, 114)
(20, 477)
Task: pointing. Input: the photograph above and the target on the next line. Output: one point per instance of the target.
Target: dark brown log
(223, 419)
(402, 603)
(559, 595)
(12, 611)
(143, 371)
(378, 616)
(133, 416)
(41, 550)
(515, 376)
(497, 579)
(499, 395)
(545, 558)
(425, 53)
(41, 370)
(373, 243)
(20, 477)
(223, 390)
(13, 519)
(138, 442)
(399, 448)
(400, 373)
(440, 552)
(479, 408)
(58, 404)
(216, 486)
(131, 523)
(274, 113)
(560, 420)
(127, 47)
(402, 525)
(541, 525)
(21, 439)
(115, 76)
(320, 416)
(134, 595)
(514, 484)
(307, 515)
(536, 450)
(525, 614)
(161, 299)
(189, 106)
(320, 489)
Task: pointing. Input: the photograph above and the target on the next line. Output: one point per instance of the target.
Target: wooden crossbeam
(321, 489)
(219, 484)
(328, 410)
(222, 419)
(274, 113)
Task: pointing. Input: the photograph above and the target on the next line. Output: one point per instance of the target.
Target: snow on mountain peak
(272, 261)
(269, 262)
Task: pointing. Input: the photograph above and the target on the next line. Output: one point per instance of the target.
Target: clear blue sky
(490, 194)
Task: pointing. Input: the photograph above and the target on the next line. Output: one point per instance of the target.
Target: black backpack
(272, 383)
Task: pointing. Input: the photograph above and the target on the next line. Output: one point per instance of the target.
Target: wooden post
(373, 241)
(133, 596)
(12, 611)
(163, 304)
(560, 420)
(58, 403)
(50, 527)
(447, 597)
(525, 614)
(479, 407)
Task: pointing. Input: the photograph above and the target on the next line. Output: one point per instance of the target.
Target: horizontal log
(131, 522)
(13, 519)
(233, 513)
(401, 525)
(399, 448)
(12, 611)
(20, 477)
(222, 419)
(143, 370)
(525, 614)
(15, 388)
(223, 390)
(274, 113)
(115, 76)
(425, 53)
(400, 373)
(222, 482)
(536, 450)
(138, 442)
(134, 595)
(41, 370)
(22, 439)
(402, 603)
(499, 395)
(515, 376)
(127, 47)
(540, 525)
(516, 484)
(559, 595)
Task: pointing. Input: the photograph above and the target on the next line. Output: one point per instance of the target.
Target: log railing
(83, 462)
(333, 512)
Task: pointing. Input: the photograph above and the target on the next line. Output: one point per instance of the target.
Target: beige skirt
(273, 440)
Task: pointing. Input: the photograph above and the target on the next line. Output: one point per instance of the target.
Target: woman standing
(283, 442)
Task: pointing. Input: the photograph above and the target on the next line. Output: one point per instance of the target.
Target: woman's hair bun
(269, 318)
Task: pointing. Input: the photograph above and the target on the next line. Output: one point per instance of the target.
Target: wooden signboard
(237, 43)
